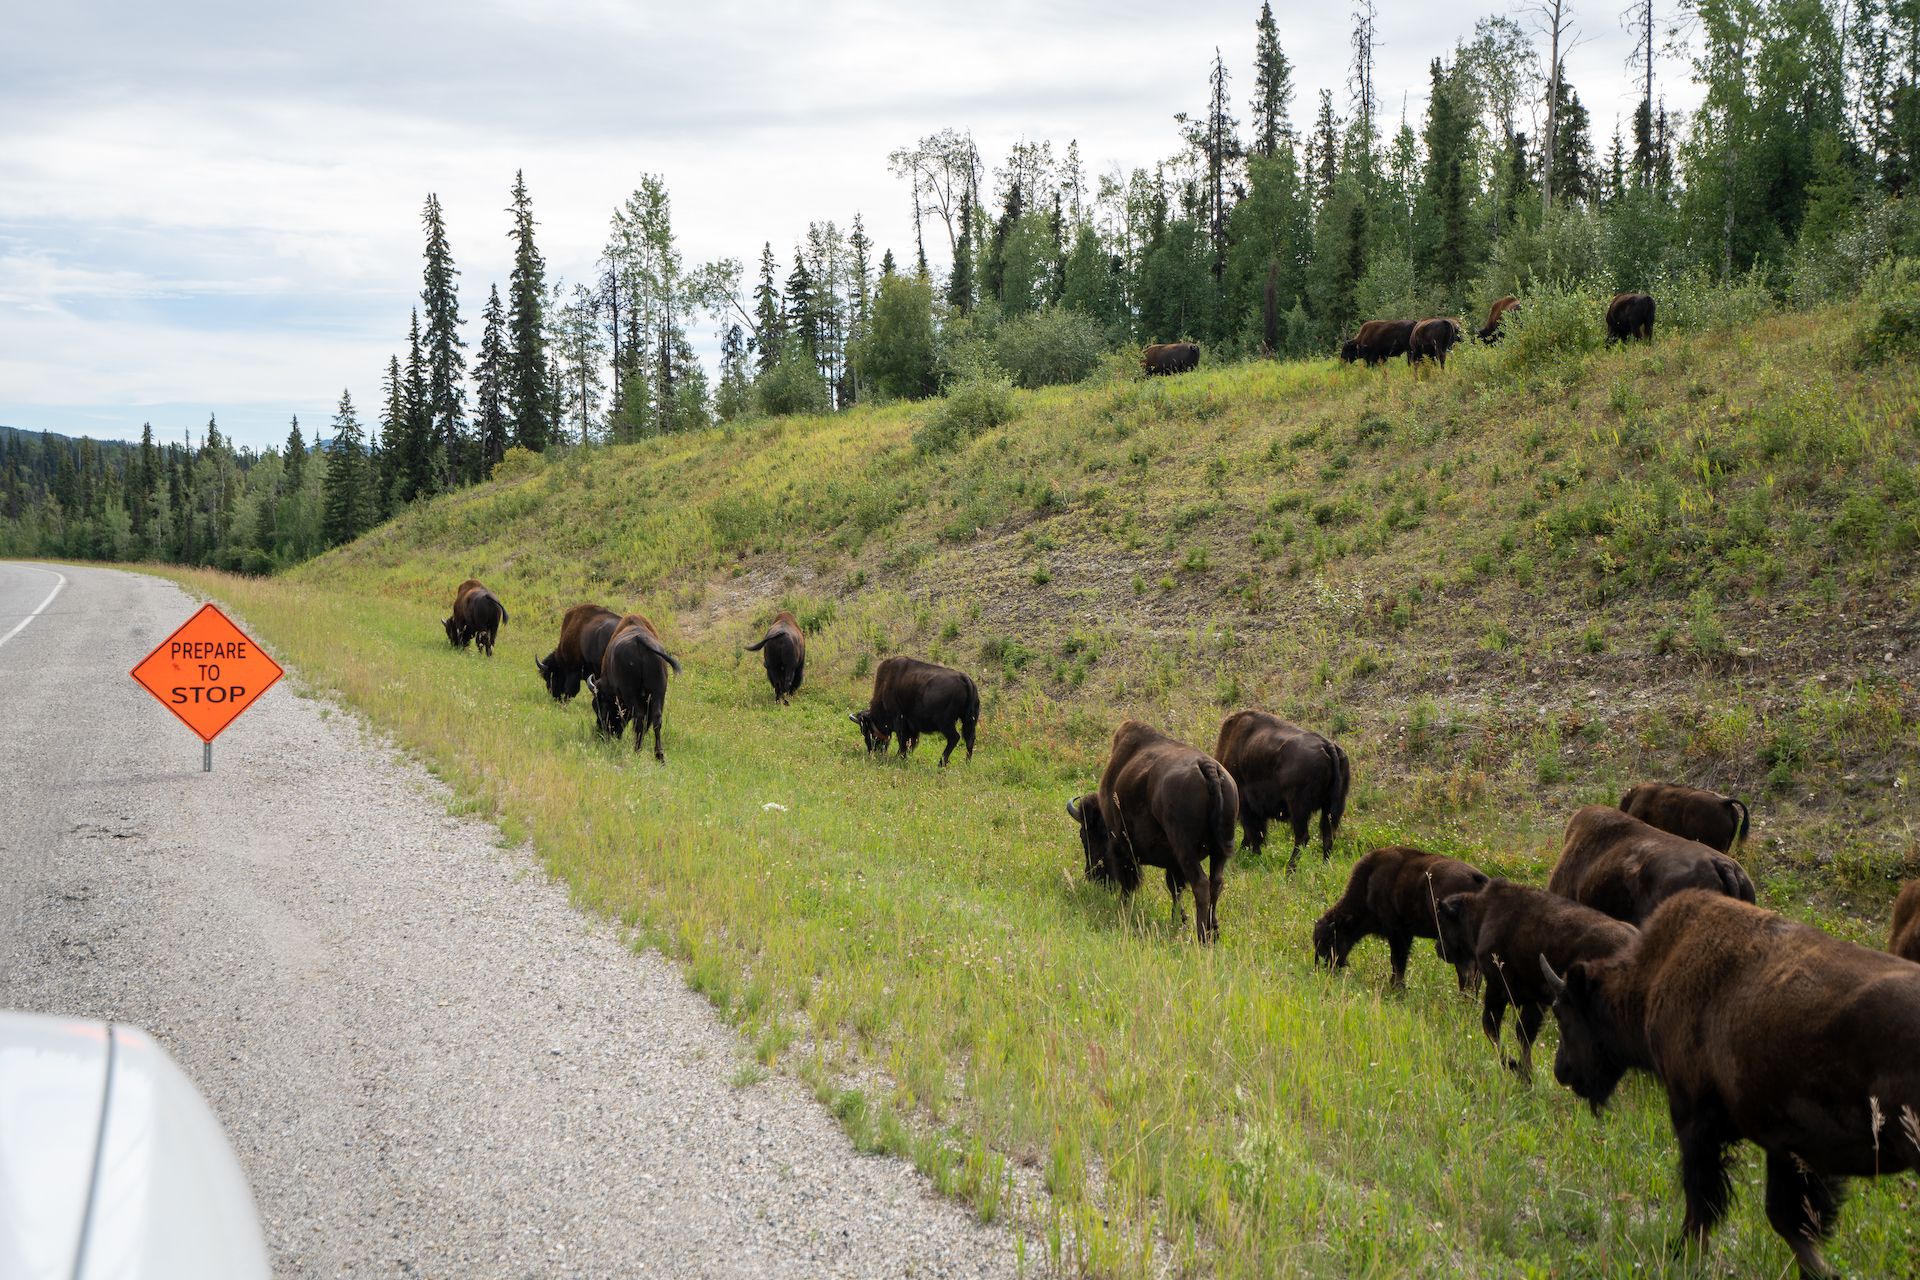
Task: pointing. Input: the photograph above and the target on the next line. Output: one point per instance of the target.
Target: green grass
(1464, 577)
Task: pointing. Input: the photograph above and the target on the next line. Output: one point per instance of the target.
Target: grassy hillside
(1508, 588)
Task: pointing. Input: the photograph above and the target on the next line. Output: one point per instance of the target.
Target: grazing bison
(911, 697)
(1904, 938)
(1161, 803)
(1378, 340)
(1169, 358)
(631, 685)
(584, 633)
(1505, 930)
(1283, 772)
(784, 651)
(1431, 340)
(1396, 893)
(477, 615)
(1630, 315)
(1762, 1030)
(1615, 863)
(1706, 817)
(1491, 331)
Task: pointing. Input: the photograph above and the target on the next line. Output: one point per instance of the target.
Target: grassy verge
(1509, 589)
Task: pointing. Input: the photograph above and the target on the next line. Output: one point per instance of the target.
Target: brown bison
(1284, 772)
(1170, 357)
(783, 650)
(1707, 817)
(1904, 938)
(1395, 893)
(1505, 930)
(1763, 1030)
(631, 685)
(584, 633)
(1378, 340)
(477, 615)
(1630, 315)
(1491, 331)
(911, 697)
(1161, 803)
(1432, 339)
(1615, 863)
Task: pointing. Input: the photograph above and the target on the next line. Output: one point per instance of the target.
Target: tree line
(1274, 236)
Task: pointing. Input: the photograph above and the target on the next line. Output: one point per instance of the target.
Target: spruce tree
(491, 375)
(446, 367)
(295, 458)
(1272, 86)
(1573, 173)
(388, 472)
(768, 319)
(529, 384)
(417, 450)
(801, 320)
(960, 280)
(345, 510)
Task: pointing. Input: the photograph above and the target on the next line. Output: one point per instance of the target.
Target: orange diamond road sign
(207, 673)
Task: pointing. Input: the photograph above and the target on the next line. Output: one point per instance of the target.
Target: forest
(1270, 230)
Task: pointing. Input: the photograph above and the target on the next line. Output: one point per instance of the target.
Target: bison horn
(1073, 810)
(593, 685)
(854, 716)
(1555, 983)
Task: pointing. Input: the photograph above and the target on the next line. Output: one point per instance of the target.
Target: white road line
(21, 625)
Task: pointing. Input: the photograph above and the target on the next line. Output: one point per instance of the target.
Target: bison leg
(659, 718)
(1205, 922)
(1526, 1027)
(1493, 1012)
(1399, 946)
(1253, 831)
(953, 740)
(1299, 820)
(1702, 1133)
(1326, 835)
(1173, 892)
(1802, 1207)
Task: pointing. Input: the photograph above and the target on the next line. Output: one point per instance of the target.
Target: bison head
(562, 684)
(875, 728)
(1349, 351)
(1085, 811)
(1588, 1060)
(1333, 937)
(457, 634)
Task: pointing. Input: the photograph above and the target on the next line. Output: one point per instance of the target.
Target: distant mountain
(7, 433)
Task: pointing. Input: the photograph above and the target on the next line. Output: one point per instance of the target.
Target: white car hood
(112, 1167)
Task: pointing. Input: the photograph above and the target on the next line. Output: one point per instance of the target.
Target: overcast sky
(214, 207)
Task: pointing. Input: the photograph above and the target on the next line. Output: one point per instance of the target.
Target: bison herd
(1629, 317)
(1645, 942)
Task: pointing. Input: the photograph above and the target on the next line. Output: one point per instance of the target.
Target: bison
(1491, 331)
(1629, 316)
(1706, 817)
(1395, 893)
(1763, 1030)
(1615, 863)
(911, 697)
(1904, 938)
(477, 615)
(1431, 340)
(1170, 357)
(784, 652)
(1161, 803)
(1378, 340)
(631, 685)
(584, 633)
(1504, 930)
(1284, 772)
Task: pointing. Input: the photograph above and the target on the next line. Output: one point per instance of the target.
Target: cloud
(219, 203)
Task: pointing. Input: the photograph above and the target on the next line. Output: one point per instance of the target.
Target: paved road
(428, 1063)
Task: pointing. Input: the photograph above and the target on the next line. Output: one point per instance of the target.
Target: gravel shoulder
(429, 1063)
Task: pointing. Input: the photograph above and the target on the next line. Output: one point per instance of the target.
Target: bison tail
(1733, 879)
(1342, 782)
(1221, 813)
(1740, 833)
(970, 717)
(755, 648)
(504, 619)
(671, 661)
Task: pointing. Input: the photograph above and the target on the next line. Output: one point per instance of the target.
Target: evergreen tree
(1573, 175)
(1272, 86)
(960, 281)
(295, 457)
(529, 386)
(415, 449)
(346, 498)
(491, 382)
(769, 312)
(389, 473)
(734, 398)
(1323, 151)
(1445, 250)
(801, 318)
(446, 368)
